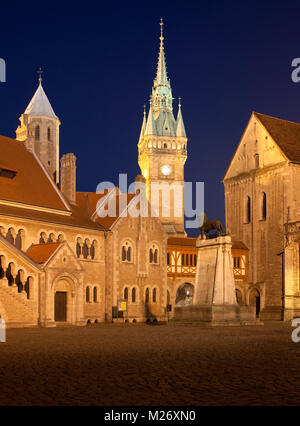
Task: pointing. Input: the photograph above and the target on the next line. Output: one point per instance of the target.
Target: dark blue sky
(225, 59)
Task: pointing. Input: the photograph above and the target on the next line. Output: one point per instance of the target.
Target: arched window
(51, 238)
(154, 255)
(127, 252)
(43, 238)
(79, 247)
(85, 250)
(256, 158)
(49, 134)
(93, 249)
(87, 295)
(126, 293)
(37, 133)
(124, 255)
(154, 294)
(11, 235)
(95, 295)
(264, 206)
(18, 241)
(133, 295)
(248, 210)
(147, 295)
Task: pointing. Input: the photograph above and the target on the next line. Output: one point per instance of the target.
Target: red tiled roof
(40, 253)
(285, 133)
(30, 185)
(89, 200)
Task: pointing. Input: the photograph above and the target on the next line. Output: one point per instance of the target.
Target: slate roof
(39, 104)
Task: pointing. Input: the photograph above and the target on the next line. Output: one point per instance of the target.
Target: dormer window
(6, 173)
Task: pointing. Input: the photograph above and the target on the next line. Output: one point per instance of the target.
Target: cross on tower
(40, 72)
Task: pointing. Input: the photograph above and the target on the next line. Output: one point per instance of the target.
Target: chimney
(68, 176)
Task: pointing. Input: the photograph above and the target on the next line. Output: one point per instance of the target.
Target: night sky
(225, 59)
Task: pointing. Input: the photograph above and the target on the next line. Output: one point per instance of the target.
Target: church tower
(39, 129)
(162, 148)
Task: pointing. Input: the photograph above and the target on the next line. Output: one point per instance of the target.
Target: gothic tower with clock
(162, 151)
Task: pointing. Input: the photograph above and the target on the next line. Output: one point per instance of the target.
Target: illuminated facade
(263, 210)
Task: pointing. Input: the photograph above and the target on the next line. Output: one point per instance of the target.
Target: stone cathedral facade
(263, 210)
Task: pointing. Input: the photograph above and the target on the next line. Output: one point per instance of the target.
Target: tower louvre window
(264, 206)
(49, 134)
(37, 133)
(248, 210)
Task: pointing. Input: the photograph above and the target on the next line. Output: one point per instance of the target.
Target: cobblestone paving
(150, 365)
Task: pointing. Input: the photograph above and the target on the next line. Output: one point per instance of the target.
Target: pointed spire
(180, 130)
(161, 75)
(150, 126)
(39, 104)
(143, 124)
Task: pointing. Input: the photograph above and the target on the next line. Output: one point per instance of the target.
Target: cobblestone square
(143, 365)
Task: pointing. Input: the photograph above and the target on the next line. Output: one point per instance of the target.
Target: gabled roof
(30, 185)
(39, 104)
(40, 253)
(90, 200)
(285, 133)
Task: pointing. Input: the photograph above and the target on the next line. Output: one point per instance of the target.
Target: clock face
(166, 170)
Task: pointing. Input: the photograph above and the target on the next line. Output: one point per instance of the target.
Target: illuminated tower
(39, 129)
(162, 146)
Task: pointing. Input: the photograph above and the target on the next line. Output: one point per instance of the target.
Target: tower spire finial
(40, 72)
(161, 29)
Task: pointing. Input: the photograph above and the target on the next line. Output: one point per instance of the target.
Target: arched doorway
(64, 301)
(184, 295)
(254, 300)
(60, 306)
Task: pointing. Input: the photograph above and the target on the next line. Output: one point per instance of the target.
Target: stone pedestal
(214, 296)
